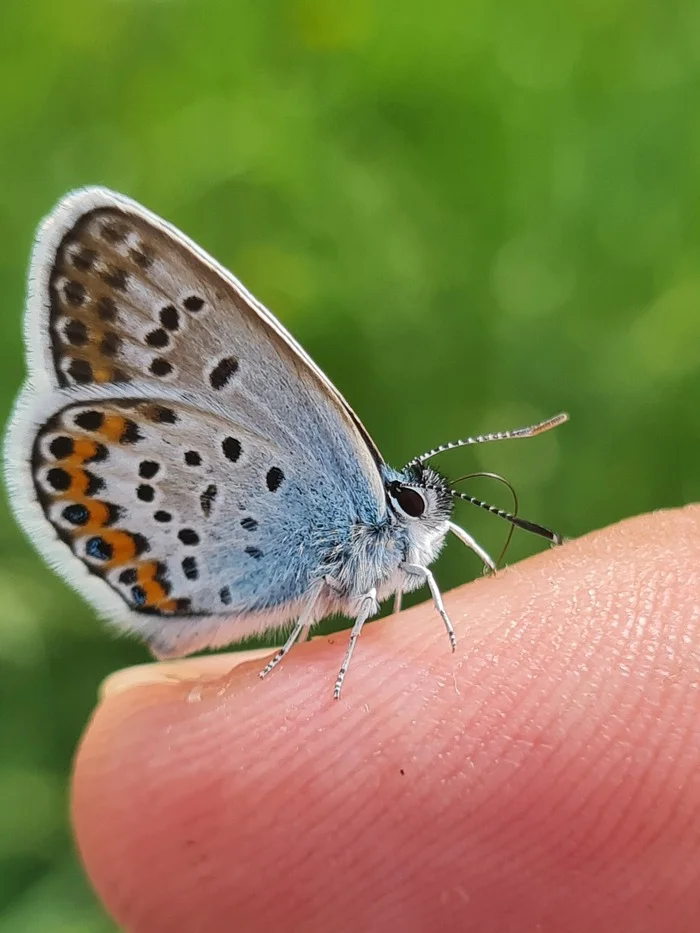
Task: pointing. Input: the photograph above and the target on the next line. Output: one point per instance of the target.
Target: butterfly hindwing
(181, 512)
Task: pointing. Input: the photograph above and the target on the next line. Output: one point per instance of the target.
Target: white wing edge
(32, 410)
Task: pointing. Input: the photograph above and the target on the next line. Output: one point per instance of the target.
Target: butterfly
(180, 460)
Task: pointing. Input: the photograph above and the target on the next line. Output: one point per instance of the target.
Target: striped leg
(437, 597)
(368, 607)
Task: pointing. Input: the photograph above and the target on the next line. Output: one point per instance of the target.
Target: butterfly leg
(437, 597)
(368, 607)
(467, 539)
(397, 601)
(303, 624)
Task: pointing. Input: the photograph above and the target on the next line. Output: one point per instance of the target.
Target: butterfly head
(419, 494)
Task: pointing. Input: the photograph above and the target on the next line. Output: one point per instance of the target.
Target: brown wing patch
(105, 295)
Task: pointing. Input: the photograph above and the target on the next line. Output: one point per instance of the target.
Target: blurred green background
(472, 214)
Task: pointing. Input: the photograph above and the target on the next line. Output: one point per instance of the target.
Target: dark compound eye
(410, 501)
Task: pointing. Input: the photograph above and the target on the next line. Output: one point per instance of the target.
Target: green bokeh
(472, 214)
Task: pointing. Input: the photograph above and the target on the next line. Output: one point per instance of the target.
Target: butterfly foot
(302, 626)
(271, 664)
(368, 606)
(466, 538)
(418, 570)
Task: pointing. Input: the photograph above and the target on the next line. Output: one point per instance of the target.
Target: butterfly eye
(409, 500)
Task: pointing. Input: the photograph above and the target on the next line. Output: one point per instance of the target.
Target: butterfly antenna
(523, 523)
(509, 517)
(504, 481)
(530, 431)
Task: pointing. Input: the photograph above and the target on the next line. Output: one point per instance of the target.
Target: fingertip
(549, 771)
(186, 670)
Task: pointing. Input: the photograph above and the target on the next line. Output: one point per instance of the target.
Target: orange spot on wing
(123, 547)
(83, 449)
(99, 516)
(146, 578)
(112, 427)
(79, 482)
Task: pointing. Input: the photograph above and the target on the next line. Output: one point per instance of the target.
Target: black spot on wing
(61, 447)
(58, 479)
(170, 317)
(101, 454)
(224, 370)
(89, 420)
(188, 536)
(161, 367)
(193, 303)
(231, 448)
(81, 371)
(274, 478)
(74, 293)
(99, 549)
(131, 433)
(113, 231)
(76, 333)
(142, 257)
(189, 568)
(95, 483)
(114, 513)
(110, 343)
(76, 514)
(140, 543)
(84, 259)
(116, 278)
(148, 469)
(158, 338)
(106, 308)
(163, 415)
(206, 499)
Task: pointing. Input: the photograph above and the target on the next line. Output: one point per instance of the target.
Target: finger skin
(544, 777)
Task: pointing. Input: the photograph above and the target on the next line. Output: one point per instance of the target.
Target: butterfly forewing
(130, 298)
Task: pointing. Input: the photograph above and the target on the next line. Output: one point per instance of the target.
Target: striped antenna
(530, 431)
(523, 523)
(509, 517)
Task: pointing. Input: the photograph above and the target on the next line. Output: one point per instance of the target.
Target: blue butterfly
(179, 459)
